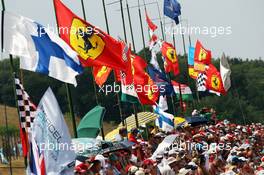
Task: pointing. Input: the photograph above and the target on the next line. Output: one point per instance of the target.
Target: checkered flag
(25, 107)
(201, 82)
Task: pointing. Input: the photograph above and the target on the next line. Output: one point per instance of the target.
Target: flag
(225, 72)
(147, 91)
(170, 58)
(94, 46)
(101, 74)
(192, 73)
(160, 79)
(154, 62)
(52, 136)
(172, 9)
(202, 57)
(151, 25)
(165, 121)
(36, 159)
(185, 91)
(163, 105)
(40, 49)
(128, 91)
(214, 81)
(153, 41)
(26, 111)
(201, 82)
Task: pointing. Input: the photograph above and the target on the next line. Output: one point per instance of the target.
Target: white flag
(225, 72)
(52, 136)
(163, 105)
(39, 49)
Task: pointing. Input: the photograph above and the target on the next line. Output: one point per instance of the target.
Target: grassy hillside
(13, 120)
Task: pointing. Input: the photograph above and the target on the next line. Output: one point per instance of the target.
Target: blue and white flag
(40, 49)
(52, 137)
(165, 121)
(172, 9)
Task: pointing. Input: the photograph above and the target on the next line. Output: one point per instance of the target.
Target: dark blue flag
(172, 9)
(161, 81)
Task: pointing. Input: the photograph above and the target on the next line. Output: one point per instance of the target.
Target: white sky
(245, 17)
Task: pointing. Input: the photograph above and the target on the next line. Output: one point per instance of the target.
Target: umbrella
(195, 121)
(179, 120)
(91, 123)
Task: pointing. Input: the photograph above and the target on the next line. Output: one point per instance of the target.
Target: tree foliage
(245, 97)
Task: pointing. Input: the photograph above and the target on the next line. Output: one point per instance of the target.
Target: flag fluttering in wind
(185, 91)
(163, 104)
(202, 57)
(169, 54)
(214, 81)
(27, 112)
(172, 9)
(201, 82)
(225, 72)
(40, 49)
(192, 73)
(101, 74)
(49, 128)
(147, 90)
(95, 47)
(161, 80)
(150, 23)
(165, 121)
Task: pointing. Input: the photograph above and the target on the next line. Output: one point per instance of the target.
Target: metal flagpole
(130, 25)
(94, 84)
(123, 20)
(11, 64)
(181, 104)
(124, 28)
(8, 142)
(145, 8)
(142, 32)
(117, 95)
(161, 24)
(69, 96)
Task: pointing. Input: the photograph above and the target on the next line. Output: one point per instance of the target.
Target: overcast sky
(244, 18)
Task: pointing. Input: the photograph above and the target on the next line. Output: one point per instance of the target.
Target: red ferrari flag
(151, 25)
(147, 90)
(214, 81)
(101, 74)
(171, 63)
(202, 57)
(95, 47)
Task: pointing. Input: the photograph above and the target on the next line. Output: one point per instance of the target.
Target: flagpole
(124, 28)
(69, 96)
(130, 25)
(8, 142)
(12, 66)
(123, 20)
(94, 84)
(161, 24)
(142, 32)
(179, 84)
(145, 8)
(117, 95)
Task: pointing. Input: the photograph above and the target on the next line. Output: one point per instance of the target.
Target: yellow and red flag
(214, 81)
(171, 63)
(202, 57)
(101, 74)
(95, 47)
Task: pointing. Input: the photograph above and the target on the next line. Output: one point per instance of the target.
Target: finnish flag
(165, 121)
(39, 49)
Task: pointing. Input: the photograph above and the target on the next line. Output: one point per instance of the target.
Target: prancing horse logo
(85, 41)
